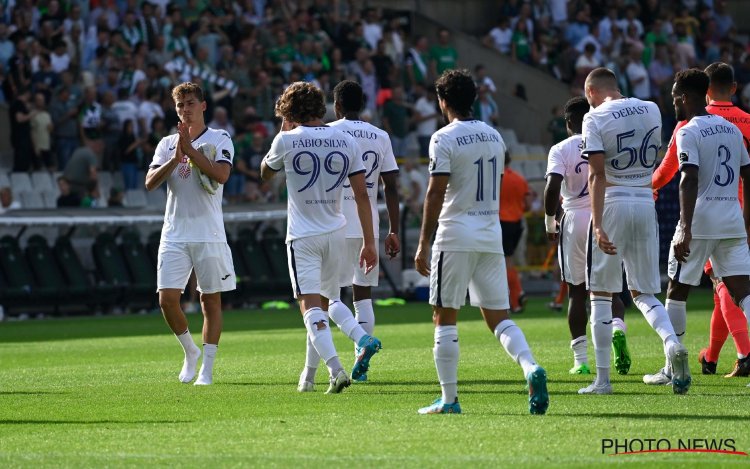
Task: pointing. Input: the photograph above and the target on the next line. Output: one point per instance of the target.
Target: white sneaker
(661, 377)
(594, 388)
(339, 382)
(189, 364)
(681, 379)
(306, 386)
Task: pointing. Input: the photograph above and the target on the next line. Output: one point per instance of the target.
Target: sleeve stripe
(225, 162)
(154, 166)
(551, 173)
(390, 172)
(689, 164)
(744, 165)
(440, 174)
(361, 171)
(272, 168)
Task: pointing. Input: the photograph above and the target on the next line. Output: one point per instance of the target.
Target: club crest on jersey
(183, 171)
(683, 157)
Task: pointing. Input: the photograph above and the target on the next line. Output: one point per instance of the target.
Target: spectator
(221, 121)
(443, 56)
(578, 29)
(396, 119)
(637, 75)
(631, 20)
(585, 64)
(384, 67)
(131, 158)
(557, 125)
(413, 183)
(417, 61)
(41, 131)
(90, 117)
(521, 47)
(606, 25)
(7, 49)
(64, 110)
(81, 171)
(660, 74)
(59, 58)
(116, 197)
(18, 75)
(91, 199)
(21, 114)
(724, 20)
(150, 109)
(500, 36)
(45, 79)
(481, 78)
(372, 29)
(514, 202)
(6, 200)
(485, 108)
(111, 128)
(125, 108)
(67, 198)
(426, 117)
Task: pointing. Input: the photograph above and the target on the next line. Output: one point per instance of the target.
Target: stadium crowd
(87, 83)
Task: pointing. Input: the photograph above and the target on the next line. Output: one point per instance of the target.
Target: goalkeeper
(195, 163)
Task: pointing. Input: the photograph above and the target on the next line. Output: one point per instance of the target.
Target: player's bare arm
(390, 189)
(688, 197)
(551, 203)
(597, 184)
(432, 205)
(745, 175)
(219, 172)
(369, 255)
(155, 177)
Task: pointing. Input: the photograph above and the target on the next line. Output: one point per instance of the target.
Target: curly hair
(349, 95)
(457, 89)
(692, 81)
(184, 89)
(301, 102)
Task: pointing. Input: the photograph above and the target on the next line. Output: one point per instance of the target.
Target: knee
(169, 302)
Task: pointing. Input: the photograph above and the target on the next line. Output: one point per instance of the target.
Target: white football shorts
(315, 264)
(351, 272)
(629, 219)
(212, 263)
(482, 273)
(571, 249)
(728, 257)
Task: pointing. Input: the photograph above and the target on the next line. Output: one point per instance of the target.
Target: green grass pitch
(103, 391)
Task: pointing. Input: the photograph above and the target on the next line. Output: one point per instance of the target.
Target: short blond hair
(184, 89)
(301, 102)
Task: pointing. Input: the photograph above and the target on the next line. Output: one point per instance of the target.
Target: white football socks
(317, 326)
(514, 342)
(657, 317)
(206, 375)
(677, 312)
(601, 335)
(619, 325)
(445, 353)
(344, 318)
(364, 315)
(745, 305)
(579, 346)
(192, 354)
(312, 358)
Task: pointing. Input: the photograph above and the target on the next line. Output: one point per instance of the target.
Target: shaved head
(602, 79)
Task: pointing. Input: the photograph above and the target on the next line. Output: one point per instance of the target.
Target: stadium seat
(76, 277)
(157, 199)
(509, 136)
(50, 199)
(110, 266)
(135, 198)
(142, 274)
(275, 250)
(42, 182)
(47, 273)
(20, 183)
(152, 247)
(11, 297)
(4, 179)
(31, 200)
(18, 273)
(256, 265)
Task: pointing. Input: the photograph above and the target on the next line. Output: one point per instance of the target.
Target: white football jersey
(377, 157)
(565, 159)
(716, 147)
(628, 131)
(317, 162)
(192, 214)
(473, 155)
